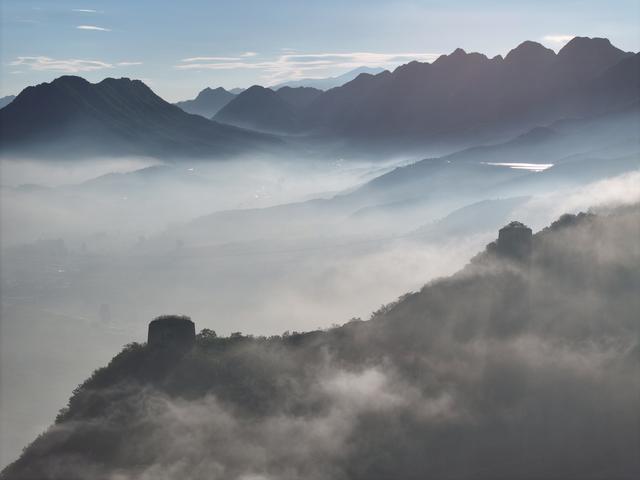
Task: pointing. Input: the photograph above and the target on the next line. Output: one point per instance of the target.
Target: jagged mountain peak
(208, 91)
(208, 102)
(73, 117)
(460, 57)
(257, 89)
(529, 51)
(591, 44)
(259, 108)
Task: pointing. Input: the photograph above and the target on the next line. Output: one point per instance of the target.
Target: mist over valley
(404, 269)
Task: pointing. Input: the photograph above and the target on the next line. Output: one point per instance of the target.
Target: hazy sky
(179, 47)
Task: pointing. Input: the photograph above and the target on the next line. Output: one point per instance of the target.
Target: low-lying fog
(130, 198)
(77, 282)
(92, 252)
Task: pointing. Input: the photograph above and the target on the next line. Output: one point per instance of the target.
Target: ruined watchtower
(515, 241)
(172, 331)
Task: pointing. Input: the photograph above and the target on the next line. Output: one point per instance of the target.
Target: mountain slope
(330, 82)
(463, 94)
(72, 117)
(261, 109)
(461, 98)
(298, 97)
(522, 365)
(4, 101)
(208, 102)
(407, 196)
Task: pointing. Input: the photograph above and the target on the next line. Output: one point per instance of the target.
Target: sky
(180, 47)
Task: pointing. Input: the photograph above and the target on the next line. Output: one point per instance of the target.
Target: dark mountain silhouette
(616, 85)
(467, 97)
(585, 57)
(208, 102)
(458, 100)
(261, 109)
(522, 365)
(72, 117)
(463, 93)
(298, 97)
(237, 90)
(330, 82)
(4, 101)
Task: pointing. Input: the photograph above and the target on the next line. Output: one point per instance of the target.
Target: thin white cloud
(223, 65)
(249, 54)
(72, 65)
(209, 59)
(557, 39)
(84, 10)
(290, 66)
(67, 66)
(93, 27)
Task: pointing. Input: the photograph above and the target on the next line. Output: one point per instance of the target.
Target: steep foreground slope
(524, 365)
(72, 117)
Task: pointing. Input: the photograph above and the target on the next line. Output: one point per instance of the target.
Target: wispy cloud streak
(209, 59)
(72, 65)
(292, 65)
(93, 27)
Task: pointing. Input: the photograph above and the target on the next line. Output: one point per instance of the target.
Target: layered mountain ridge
(464, 95)
(71, 117)
(208, 102)
(460, 99)
(461, 92)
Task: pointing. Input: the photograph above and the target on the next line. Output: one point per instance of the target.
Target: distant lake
(532, 167)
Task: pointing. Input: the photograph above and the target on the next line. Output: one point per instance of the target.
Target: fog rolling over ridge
(279, 218)
(507, 359)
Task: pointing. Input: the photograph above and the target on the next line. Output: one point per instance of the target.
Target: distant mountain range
(330, 82)
(263, 109)
(298, 97)
(581, 151)
(71, 117)
(4, 101)
(299, 93)
(467, 93)
(466, 96)
(208, 102)
(259, 107)
(460, 99)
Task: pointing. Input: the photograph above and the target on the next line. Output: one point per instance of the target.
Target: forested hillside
(522, 365)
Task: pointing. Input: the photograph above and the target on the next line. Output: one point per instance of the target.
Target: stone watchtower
(515, 241)
(172, 332)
